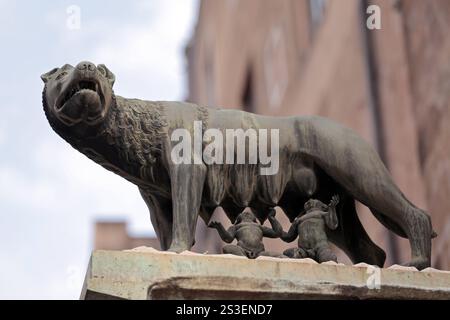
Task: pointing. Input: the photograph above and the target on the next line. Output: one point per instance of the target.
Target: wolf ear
(46, 76)
(107, 73)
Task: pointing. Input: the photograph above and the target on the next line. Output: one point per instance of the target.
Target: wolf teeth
(78, 87)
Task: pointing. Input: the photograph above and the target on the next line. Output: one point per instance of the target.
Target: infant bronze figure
(310, 228)
(249, 234)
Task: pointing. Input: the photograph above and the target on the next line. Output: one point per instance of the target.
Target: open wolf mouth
(87, 87)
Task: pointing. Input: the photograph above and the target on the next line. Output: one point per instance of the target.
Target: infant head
(315, 204)
(246, 216)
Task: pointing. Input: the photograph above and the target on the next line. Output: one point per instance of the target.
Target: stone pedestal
(145, 273)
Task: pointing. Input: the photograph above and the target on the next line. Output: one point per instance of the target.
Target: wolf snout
(86, 66)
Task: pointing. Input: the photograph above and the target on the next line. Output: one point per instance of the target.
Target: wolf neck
(135, 128)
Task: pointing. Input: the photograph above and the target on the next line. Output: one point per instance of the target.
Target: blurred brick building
(299, 57)
(113, 235)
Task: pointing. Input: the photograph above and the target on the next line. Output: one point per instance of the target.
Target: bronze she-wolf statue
(317, 158)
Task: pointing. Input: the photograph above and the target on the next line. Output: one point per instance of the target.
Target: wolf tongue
(84, 103)
(91, 101)
(72, 111)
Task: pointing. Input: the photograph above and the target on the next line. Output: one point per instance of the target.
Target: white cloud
(149, 56)
(49, 193)
(2, 134)
(16, 187)
(85, 185)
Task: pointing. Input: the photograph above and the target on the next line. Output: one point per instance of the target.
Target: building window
(276, 73)
(209, 79)
(316, 13)
(248, 102)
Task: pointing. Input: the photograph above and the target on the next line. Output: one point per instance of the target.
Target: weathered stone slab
(145, 273)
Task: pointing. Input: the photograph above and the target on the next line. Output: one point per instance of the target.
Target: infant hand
(272, 213)
(214, 224)
(334, 201)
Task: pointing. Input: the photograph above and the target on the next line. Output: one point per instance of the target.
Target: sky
(50, 194)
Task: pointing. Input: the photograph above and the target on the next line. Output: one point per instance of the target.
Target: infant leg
(295, 253)
(233, 249)
(324, 253)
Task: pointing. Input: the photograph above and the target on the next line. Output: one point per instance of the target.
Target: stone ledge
(146, 273)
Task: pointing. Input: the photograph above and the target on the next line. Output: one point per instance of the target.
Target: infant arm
(226, 235)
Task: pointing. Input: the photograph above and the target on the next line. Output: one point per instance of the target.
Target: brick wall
(390, 85)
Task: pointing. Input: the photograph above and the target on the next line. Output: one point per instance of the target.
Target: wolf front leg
(187, 182)
(161, 216)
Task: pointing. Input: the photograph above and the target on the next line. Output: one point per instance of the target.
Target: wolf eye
(62, 74)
